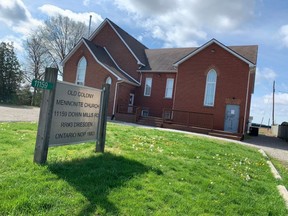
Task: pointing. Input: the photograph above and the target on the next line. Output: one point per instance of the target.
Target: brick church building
(204, 89)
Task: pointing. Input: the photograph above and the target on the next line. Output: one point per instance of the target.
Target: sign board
(42, 84)
(70, 114)
(75, 114)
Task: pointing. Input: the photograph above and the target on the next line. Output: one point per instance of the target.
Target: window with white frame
(109, 80)
(145, 113)
(81, 71)
(169, 88)
(148, 86)
(210, 88)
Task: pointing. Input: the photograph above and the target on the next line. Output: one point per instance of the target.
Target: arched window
(81, 71)
(210, 88)
(108, 80)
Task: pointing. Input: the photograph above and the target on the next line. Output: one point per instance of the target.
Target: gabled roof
(102, 56)
(134, 46)
(247, 54)
(162, 60)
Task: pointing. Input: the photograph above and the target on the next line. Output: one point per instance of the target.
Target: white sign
(75, 114)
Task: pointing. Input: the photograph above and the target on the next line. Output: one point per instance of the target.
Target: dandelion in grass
(159, 149)
(248, 178)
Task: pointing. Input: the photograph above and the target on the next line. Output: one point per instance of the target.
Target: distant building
(205, 89)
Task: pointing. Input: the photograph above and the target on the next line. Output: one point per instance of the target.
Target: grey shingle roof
(249, 52)
(103, 57)
(163, 59)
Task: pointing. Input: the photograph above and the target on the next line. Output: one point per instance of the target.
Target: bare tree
(38, 57)
(60, 35)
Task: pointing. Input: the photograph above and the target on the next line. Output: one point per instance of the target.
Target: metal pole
(273, 123)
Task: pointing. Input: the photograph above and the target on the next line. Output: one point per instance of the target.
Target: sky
(178, 23)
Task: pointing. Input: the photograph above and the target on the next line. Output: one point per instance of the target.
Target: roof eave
(158, 71)
(176, 64)
(134, 80)
(99, 62)
(102, 25)
(72, 51)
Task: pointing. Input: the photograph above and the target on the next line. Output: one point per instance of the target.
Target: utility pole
(273, 103)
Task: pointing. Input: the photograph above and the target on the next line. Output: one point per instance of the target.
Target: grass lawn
(143, 172)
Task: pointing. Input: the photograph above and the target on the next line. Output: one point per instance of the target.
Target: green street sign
(42, 84)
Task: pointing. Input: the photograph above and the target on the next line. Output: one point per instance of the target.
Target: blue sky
(179, 23)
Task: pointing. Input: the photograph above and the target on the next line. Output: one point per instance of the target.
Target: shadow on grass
(95, 177)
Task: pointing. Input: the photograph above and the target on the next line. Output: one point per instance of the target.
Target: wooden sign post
(44, 123)
(101, 133)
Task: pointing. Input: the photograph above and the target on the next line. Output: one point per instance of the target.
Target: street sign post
(42, 84)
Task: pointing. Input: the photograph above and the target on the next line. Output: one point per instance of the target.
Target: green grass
(142, 172)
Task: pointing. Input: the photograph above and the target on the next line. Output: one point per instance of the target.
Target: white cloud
(261, 108)
(280, 98)
(52, 10)
(16, 15)
(267, 74)
(86, 2)
(184, 22)
(17, 43)
(284, 35)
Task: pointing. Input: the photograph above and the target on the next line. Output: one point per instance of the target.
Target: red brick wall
(109, 39)
(96, 75)
(232, 75)
(123, 94)
(157, 101)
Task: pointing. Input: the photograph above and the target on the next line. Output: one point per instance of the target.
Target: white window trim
(131, 99)
(145, 113)
(77, 81)
(206, 89)
(145, 89)
(167, 88)
(108, 78)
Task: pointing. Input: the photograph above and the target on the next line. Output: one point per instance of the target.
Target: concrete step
(151, 121)
(224, 134)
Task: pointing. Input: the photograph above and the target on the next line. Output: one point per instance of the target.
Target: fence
(280, 131)
(193, 119)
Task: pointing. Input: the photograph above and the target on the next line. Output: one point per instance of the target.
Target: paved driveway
(19, 113)
(273, 146)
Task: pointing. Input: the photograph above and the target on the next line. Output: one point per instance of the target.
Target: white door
(131, 103)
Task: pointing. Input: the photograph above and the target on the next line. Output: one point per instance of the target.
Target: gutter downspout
(246, 102)
(115, 97)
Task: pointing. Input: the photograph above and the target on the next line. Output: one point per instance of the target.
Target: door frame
(131, 103)
(236, 117)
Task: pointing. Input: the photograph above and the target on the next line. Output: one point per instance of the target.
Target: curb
(283, 192)
(282, 189)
